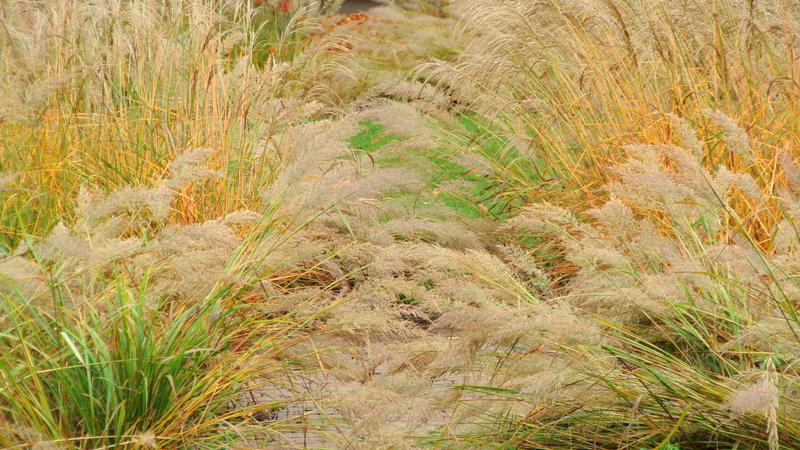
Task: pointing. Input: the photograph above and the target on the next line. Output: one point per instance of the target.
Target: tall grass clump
(121, 374)
(699, 320)
(666, 213)
(105, 94)
(124, 330)
(138, 139)
(569, 83)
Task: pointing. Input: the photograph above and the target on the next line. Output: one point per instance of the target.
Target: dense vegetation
(488, 223)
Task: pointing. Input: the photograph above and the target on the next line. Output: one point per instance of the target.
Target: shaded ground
(351, 6)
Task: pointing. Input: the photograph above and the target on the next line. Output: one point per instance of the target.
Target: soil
(351, 6)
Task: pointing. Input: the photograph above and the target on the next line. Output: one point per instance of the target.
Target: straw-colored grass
(573, 224)
(568, 86)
